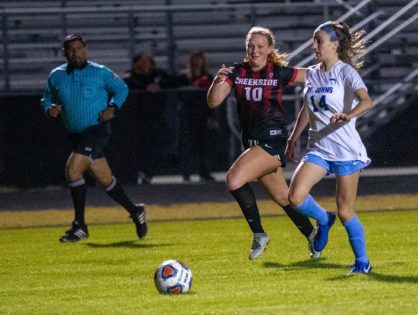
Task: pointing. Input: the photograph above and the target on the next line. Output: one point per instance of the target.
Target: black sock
(116, 192)
(302, 222)
(246, 200)
(78, 194)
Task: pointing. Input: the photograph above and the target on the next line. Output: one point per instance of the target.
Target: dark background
(34, 148)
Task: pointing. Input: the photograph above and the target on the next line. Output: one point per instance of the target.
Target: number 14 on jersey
(322, 103)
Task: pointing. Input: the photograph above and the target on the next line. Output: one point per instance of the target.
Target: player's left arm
(364, 104)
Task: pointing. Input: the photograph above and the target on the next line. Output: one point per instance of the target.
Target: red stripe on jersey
(267, 91)
(279, 100)
(269, 84)
(293, 78)
(228, 80)
(239, 90)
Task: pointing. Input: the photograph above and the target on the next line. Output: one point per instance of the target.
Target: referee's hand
(107, 114)
(54, 110)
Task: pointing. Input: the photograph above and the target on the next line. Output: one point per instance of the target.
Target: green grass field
(112, 271)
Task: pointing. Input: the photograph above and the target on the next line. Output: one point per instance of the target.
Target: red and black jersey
(259, 96)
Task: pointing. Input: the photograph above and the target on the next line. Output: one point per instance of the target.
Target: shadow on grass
(380, 277)
(124, 244)
(320, 264)
(305, 264)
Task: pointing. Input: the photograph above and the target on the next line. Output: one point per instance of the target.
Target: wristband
(219, 80)
(113, 106)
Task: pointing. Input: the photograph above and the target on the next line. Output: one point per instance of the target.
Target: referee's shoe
(140, 220)
(77, 233)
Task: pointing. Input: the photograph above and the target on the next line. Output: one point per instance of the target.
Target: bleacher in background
(115, 30)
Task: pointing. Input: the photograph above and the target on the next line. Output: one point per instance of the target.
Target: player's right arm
(219, 89)
(300, 125)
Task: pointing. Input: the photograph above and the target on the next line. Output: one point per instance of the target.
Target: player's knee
(104, 179)
(108, 183)
(233, 182)
(295, 199)
(281, 200)
(345, 213)
(72, 174)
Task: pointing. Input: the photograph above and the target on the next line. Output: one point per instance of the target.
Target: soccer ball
(173, 277)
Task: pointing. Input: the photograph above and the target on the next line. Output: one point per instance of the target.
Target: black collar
(71, 68)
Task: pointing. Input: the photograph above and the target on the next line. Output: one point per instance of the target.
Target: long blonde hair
(275, 56)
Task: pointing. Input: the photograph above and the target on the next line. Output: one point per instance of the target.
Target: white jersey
(327, 93)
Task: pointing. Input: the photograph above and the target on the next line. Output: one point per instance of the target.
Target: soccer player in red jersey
(259, 82)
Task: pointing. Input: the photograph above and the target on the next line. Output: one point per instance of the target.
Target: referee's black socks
(246, 200)
(78, 194)
(116, 192)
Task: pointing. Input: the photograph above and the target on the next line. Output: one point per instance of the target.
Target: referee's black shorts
(92, 140)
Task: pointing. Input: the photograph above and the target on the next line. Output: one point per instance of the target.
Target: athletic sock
(78, 195)
(246, 200)
(357, 239)
(302, 222)
(116, 192)
(313, 210)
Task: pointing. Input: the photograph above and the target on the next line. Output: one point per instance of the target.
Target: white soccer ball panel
(173, 277)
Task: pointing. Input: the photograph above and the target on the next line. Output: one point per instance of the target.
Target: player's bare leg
(276, 186)
(252, 164)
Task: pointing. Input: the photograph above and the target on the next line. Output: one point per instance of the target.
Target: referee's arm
(47, 105)
(46, 100)
(117, 88)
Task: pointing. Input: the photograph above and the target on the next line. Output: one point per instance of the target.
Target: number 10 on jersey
(254, 94)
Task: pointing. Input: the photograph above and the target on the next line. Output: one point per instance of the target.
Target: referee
(86, 96)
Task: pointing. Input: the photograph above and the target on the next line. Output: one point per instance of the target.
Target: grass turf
(191, 211)
(112, 271)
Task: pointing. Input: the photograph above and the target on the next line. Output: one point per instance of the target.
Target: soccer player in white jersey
(334, 96)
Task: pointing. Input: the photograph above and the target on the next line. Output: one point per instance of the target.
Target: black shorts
(273, 145)
(92, 140)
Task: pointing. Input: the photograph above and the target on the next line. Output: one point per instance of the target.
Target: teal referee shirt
(83, 93)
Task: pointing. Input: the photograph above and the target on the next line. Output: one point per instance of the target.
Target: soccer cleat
(314, 254)
(77, 233)
(361, 268)
(260, 242)
(321, 237)
(140, 220)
